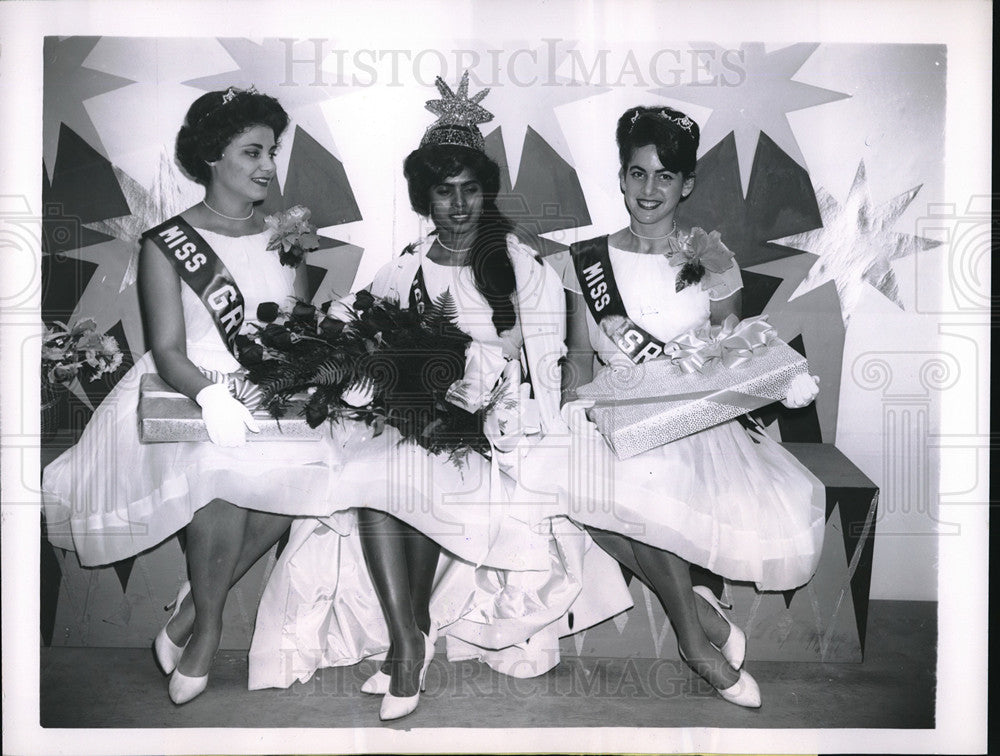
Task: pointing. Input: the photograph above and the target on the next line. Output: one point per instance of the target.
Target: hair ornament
(682, 121)
(459, 116)
(230, 94)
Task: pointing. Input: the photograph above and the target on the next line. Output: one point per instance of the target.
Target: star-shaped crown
(458, 115)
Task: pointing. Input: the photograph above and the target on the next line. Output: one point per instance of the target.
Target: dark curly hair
(676, 145)
(211, 124)
(492, 269)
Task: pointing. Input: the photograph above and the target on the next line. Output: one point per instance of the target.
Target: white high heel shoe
(378, 684)
(743, 692)
(397, 707)
(183, 688)
(166, 651)
(735, 647)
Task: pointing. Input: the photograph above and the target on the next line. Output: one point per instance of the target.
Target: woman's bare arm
(160, 290)
(723, 308)
(578, 368)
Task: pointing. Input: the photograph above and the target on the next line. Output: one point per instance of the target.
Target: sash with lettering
(593, 269)
(419, 297)
(200, 268)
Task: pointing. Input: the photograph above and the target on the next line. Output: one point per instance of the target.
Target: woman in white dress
(504, 576)
(726, 498)
(110, 496)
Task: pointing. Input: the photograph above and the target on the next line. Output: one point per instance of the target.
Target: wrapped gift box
(651, 404)
(167, 416)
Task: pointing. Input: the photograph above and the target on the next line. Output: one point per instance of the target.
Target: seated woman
(726, 498)
(110, 496)
(500, 581)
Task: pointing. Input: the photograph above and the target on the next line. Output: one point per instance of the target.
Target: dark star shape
(318, 180)
(756, 95)
(84, 189)
(67, 85)
(780, 197)
(815, 319)
(531, 223)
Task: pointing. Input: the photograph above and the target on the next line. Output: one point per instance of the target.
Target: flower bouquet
(68, 354)
(375, 362)
(80, 351)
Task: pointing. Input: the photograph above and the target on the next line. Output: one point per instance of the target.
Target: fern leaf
(329, 373)
(444, 308)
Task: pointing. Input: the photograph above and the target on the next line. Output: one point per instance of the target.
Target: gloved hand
(801, 391)
(515, 413)
(361, 393)
(574, 413)
(483, 368)
(226, 419)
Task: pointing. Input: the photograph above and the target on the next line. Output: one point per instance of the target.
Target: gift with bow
(730, 344)
(706, 377)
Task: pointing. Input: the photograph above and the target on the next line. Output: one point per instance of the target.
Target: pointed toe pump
(166, 651)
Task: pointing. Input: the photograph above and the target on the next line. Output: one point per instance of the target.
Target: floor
(892, 688)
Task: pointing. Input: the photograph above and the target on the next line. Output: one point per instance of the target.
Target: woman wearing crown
(498, 581)
(725, 498)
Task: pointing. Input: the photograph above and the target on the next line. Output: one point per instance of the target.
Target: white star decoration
(751, 96)
(856, 244)
(149, 207)
(111, 295)
(518, 107)
(259, 63)
(68, 85)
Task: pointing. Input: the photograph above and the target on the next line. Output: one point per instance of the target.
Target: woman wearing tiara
(499, 582)
(110, 496)
(726, 498)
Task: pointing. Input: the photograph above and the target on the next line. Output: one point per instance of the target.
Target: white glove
(574, 413)
(226, 419)
(515, 415)
(484, 366)
(801, 391)
(361, 393)
(342, 311)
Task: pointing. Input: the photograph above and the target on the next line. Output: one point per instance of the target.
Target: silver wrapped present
(167, 416)
(709, 376)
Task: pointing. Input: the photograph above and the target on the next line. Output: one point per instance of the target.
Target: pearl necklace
(452, 249)
(654, 238)
(229, 217)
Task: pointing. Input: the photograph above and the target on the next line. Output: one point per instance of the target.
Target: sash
(593, 269)
(418, 292)
(201, 269)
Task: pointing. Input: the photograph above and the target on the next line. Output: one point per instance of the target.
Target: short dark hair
(492, 270)
(674, 135)
(212, 123)
(428, 166)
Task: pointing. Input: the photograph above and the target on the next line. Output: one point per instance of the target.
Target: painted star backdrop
(814, 164)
